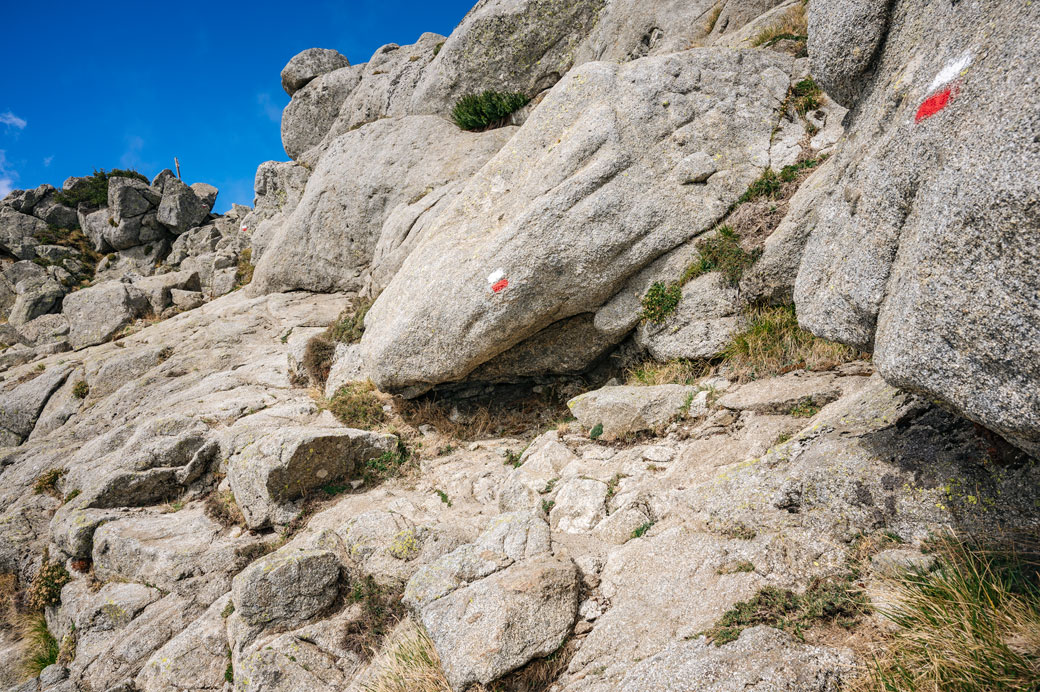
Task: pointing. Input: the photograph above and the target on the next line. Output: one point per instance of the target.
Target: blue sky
(133, 84)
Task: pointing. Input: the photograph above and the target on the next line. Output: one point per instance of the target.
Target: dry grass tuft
(381, 610)
(221, 507)
(244, 270)
(713, 18)
(321, 349)
(539, 674)
(673, 372)
(971, 624)
(794, 25)
(41, 648)
(408, 664)
(358, 405)
(774, 344)
(465, 421)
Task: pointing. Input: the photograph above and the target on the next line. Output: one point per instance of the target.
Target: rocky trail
(653, 384)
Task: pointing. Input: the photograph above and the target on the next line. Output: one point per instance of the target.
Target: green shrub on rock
(487, 110)
(95, 193)
(660, 301)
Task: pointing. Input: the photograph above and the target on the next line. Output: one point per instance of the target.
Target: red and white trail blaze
(941, 91)
(498, 281)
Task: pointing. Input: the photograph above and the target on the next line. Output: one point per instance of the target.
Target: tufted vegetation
(95, 195)
(487, 110)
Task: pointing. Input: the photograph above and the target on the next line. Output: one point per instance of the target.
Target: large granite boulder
(332, 234)
(286, 588)
(268, 471)
(181, 208)
(308, 64)
(17, 232)
(589, 192)
(96, 314)
(313, 109)
(506, 45)
(927, 254)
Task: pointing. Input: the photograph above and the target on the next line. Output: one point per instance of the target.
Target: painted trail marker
(497, 280)
(941, 90)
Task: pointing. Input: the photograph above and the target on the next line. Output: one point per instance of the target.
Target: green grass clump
(723, 253)
(350, 325)
(773, 344)
(790, 173)
(804, 408)
(387, 465)
(767, 185)
(596, 432)
(41, 648)
(660, 301)
(793, 25)
(357, 405)
(487, 110)
(641, 530)
(95, 193)
(806, 96)
(80, 390)
(833, 599)
(972, 623)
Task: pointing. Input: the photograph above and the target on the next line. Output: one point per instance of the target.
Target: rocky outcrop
(932, 266)
(308, 64)
(332, 234)
(586, 194)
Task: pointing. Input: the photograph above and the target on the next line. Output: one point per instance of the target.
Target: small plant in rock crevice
(380, 610)
(660, 301)
(486, 110)
(596, 432)
(773, 344)
(836, 599)
(45, 589)
(721, 252)
(320, 351)
(47, 483)
(80, 390)
(641, 530)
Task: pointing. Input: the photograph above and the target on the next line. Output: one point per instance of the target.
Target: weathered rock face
(927, 252)
(269, 471)
(626, 409)
(313, 109)
(507, 45)
(97, 313)
(585, 195)
(308, 64)
(762, 659)
(286, 588)
(332, 234)
(495, 604)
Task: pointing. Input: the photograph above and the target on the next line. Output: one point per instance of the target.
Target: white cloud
(47, 161)
(11, 120)
(7, 176)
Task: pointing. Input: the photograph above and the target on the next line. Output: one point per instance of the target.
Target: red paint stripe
(499, 285)
(934, 103)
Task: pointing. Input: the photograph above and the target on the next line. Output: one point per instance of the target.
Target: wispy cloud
(270, 109)
(47, 161)
(10, 120)
(7, 176)
(131, 158)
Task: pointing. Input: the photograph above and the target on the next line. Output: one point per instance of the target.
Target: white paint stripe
(496, 275)
(950, 72)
